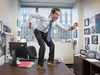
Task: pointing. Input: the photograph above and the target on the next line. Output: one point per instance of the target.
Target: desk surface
(61, 69)
(94, 63)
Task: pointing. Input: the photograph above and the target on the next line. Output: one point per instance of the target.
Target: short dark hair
(54, 10)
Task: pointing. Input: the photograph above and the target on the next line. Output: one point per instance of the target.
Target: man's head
(55, 13)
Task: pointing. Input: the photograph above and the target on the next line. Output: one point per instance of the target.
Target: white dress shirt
(44, 22)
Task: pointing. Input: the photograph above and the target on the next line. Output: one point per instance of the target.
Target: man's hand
(30, 25)
(75, 25)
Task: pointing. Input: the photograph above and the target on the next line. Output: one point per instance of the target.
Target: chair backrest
(32, 52)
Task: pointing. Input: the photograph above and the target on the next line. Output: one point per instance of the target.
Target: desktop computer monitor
(17, 49)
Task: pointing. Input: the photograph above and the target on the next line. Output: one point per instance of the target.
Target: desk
(85, 67)
(61, 69)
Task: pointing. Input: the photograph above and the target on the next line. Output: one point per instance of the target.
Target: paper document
(80, 55)
(93, 60)
(77, 54)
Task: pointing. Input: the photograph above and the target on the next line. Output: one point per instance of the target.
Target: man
(42, 33)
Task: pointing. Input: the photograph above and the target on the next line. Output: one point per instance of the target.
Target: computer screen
(17, 49)
(20, 49)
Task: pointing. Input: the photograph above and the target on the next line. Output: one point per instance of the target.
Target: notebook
(26, 64)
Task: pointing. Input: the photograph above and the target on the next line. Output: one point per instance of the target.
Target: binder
(26, 64)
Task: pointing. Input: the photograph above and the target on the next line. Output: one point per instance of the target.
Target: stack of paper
(26, 64)
(93, 60)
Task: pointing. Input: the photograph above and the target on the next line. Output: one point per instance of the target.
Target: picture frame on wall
(86, 31)
(99, 48)
(75, 33)
(6, 29)
(86, 22)
(2, 43)
(92, 53)
(94, 47)
(18, 33)
(91, 20)
(92, 30)
(87, 40)
(83, 52)
(97, 56)
(1, 26)
(97, 23)
(18, 23)
(87, 47)
(94, 39)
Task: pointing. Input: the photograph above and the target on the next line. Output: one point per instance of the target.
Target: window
(25, 31)
(65, 19)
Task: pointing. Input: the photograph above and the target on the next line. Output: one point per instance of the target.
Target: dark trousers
(42, 39)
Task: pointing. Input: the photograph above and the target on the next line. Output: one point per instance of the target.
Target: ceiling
(48, 3)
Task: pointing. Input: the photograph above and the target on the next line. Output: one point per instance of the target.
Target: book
(26, 64)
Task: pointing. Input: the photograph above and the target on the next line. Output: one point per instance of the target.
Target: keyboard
(27, 60)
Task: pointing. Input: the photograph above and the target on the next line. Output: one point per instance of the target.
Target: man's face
(55, 16)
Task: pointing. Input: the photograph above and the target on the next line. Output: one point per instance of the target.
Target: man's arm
(34, 15)
(67, 29)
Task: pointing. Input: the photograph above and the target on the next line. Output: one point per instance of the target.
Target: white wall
(90, 9)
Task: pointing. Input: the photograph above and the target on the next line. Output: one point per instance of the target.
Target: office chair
(32, 52)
